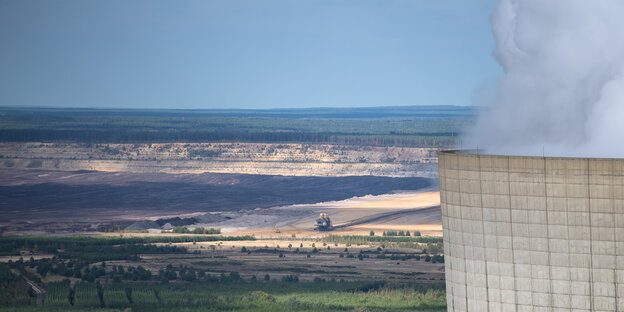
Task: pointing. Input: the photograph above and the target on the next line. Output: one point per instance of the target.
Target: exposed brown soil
(327, 264)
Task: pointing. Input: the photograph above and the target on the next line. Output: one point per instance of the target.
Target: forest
(417, 126)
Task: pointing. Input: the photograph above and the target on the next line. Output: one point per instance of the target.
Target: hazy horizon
(246, 55)
(474, 106)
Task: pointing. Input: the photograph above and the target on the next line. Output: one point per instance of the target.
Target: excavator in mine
(323, 223)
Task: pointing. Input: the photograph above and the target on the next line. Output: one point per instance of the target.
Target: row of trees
(13, 289)
(398, 233)
(96, 249)
(197, 230)
(134, 136)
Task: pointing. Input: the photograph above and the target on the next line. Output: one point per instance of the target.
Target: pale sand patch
(427, 221)
(402, 201)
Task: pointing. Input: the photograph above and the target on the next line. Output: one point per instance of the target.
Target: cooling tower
(532, 233)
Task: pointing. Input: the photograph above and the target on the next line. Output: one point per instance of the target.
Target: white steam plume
(563, 85)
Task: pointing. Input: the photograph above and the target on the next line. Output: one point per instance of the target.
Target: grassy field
(249, 296)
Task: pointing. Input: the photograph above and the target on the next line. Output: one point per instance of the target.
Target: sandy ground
(86, 201)
(39, 201)
(421, 213)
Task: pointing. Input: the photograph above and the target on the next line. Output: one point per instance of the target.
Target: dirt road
(394, 214)
(407, 211)
(40, 292)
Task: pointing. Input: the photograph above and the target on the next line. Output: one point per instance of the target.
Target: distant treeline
(128, 136)
(416, 111)
(355, 239)
(101, 248)
(412, 126)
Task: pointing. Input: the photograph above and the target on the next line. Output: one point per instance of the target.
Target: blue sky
(244, 54)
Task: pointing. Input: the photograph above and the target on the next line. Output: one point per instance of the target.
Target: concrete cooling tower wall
(532, 233)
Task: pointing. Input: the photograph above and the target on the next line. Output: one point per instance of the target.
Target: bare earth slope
(403, 211)
(250, 158)
(88, 200)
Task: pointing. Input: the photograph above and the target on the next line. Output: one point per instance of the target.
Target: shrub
(140, 273)
(234, 276)
(181, 229)
(437, 258)
(259, 295)
(290, 279)
(298, 305)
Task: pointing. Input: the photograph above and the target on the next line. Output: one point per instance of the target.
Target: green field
(249, 296)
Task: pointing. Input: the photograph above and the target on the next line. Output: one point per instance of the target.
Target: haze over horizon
(236, 54)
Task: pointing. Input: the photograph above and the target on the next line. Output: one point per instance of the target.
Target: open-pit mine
(244, 188)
